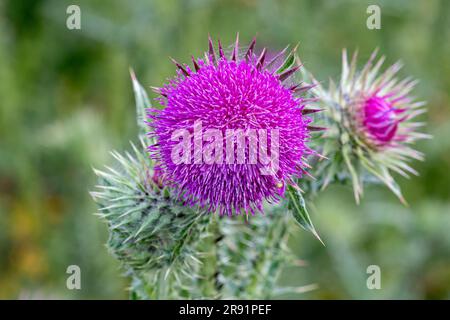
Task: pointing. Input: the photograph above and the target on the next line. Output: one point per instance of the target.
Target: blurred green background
(66, 100)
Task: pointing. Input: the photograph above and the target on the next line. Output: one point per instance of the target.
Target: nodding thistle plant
(182, 207)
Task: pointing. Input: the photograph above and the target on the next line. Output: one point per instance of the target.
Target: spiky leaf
(297, 207)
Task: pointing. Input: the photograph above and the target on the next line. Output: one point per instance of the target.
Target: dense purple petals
(226, 94)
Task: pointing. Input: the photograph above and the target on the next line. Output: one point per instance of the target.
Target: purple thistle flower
(239, 91)
(372, 120)
(384, 112)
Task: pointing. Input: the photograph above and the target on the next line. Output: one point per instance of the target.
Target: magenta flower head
(370, 115)
(383, 111)
(233, 131)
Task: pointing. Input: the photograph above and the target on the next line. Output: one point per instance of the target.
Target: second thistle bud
(370, 116)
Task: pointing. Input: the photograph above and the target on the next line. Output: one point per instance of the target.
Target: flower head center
(380, 119)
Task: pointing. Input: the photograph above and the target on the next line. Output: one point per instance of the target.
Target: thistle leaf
(297, 206)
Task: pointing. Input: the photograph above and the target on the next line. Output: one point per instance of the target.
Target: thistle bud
(149, 231)
(371, 124)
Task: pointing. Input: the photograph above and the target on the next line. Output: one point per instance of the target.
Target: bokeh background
(66, 100)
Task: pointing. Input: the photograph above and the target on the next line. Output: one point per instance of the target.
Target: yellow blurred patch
(24, 223)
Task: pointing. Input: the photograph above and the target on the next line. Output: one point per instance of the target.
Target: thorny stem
(217, 239)
(209, 270)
